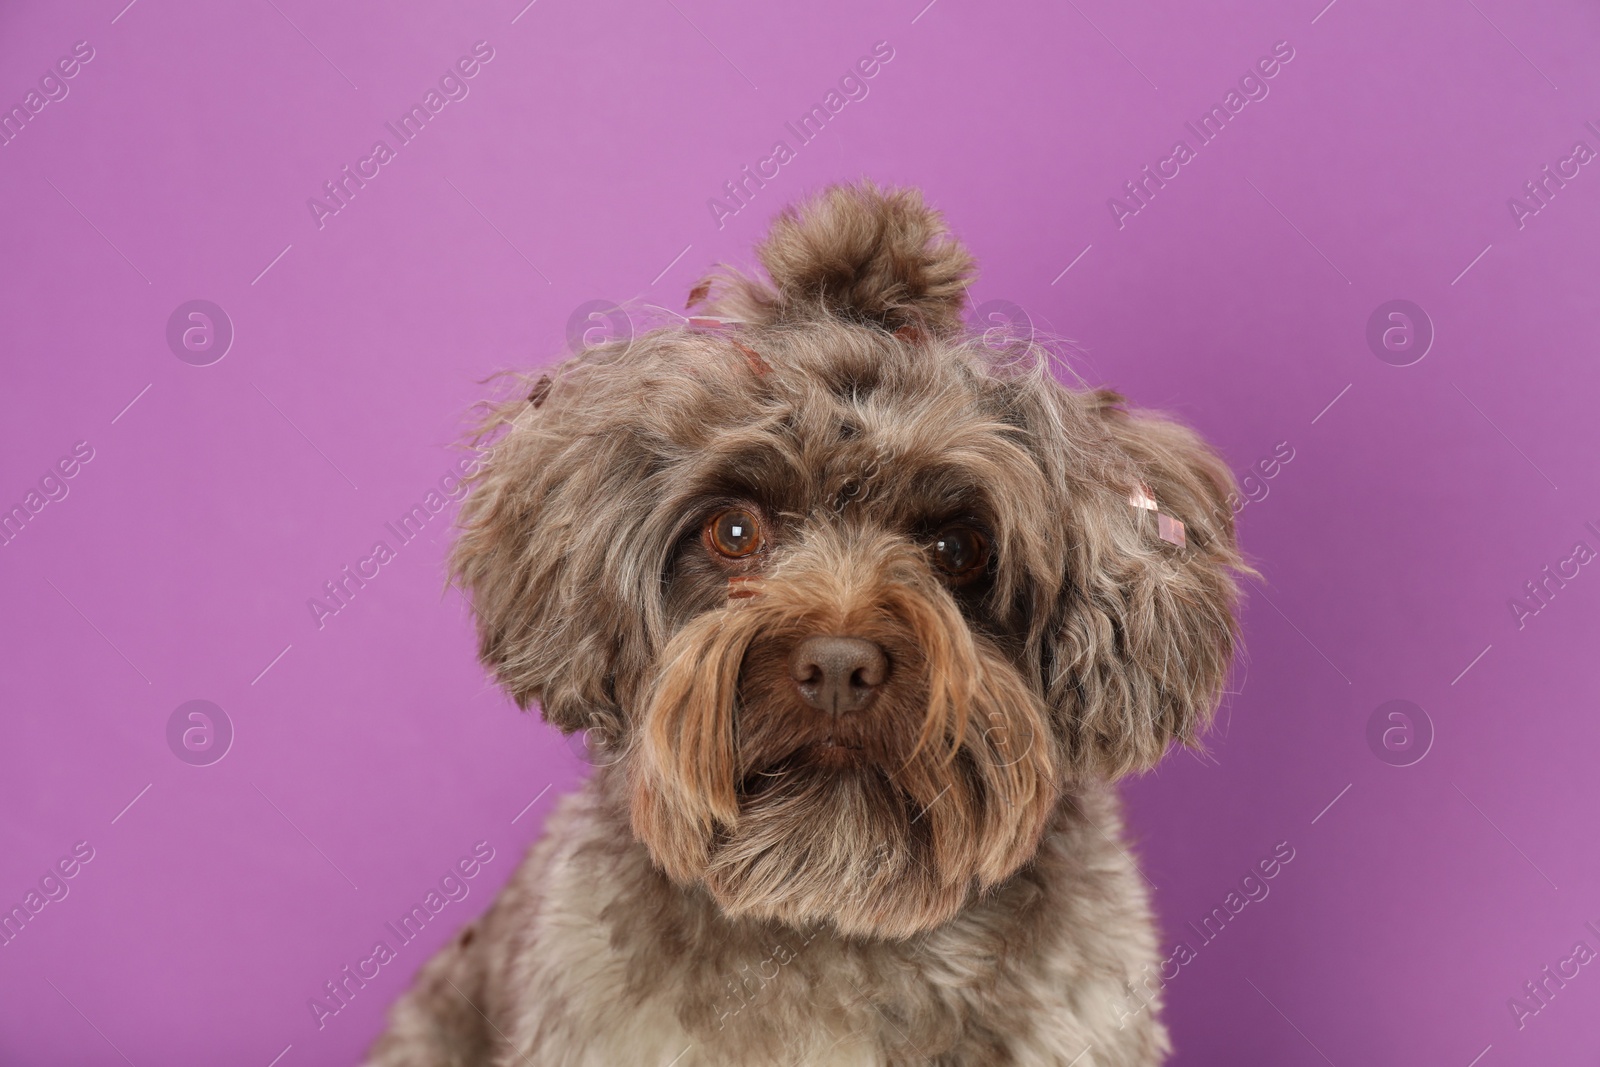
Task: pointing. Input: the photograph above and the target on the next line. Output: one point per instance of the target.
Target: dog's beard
(882, 823)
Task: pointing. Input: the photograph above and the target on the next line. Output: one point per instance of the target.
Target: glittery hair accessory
(1168, 528)
(760, 367)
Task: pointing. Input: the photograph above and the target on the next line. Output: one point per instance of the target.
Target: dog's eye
(960, 552)
(733, 533)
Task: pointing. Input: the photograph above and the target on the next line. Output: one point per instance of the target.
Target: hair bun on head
(856, 252)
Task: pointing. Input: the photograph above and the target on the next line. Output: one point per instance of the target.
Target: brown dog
(866, 615)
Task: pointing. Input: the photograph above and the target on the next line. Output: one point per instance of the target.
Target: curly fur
(941, 878)
(855, 252)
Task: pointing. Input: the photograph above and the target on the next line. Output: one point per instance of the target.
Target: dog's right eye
(960, 553)
(733, 533)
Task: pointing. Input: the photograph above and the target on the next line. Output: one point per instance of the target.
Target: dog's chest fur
(591, 957)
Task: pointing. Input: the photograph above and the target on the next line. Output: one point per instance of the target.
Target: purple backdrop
(1418, 471)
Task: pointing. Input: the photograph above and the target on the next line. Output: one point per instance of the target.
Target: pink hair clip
(710, 322)
(541, 389)
(759, 366)
(1171, 530)
(1168, 528)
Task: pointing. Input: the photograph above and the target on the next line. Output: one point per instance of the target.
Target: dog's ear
(537, 550)
(857, 252)
(1137, 647)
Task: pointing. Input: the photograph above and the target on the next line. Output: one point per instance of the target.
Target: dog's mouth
(834, 752)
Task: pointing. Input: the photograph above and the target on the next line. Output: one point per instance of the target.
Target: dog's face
(851, 596)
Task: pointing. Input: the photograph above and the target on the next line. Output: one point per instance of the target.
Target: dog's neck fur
(1056, 933)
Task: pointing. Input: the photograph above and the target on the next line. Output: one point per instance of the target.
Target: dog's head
(852, 596)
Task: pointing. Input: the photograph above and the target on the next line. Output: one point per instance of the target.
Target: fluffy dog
(863, 614)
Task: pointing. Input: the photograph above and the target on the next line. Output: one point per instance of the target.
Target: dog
(863, 614)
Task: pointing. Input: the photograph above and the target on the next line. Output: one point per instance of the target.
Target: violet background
(579, 167)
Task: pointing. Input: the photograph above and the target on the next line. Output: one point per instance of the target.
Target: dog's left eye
(733, 533)
(960, 553)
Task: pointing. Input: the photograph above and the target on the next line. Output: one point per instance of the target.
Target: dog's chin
(825, 837)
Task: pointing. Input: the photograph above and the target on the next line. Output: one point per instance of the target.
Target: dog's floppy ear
(537, 545)
(1137, 649)
(876, 256)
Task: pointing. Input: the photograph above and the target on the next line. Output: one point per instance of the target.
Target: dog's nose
(838, 674)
